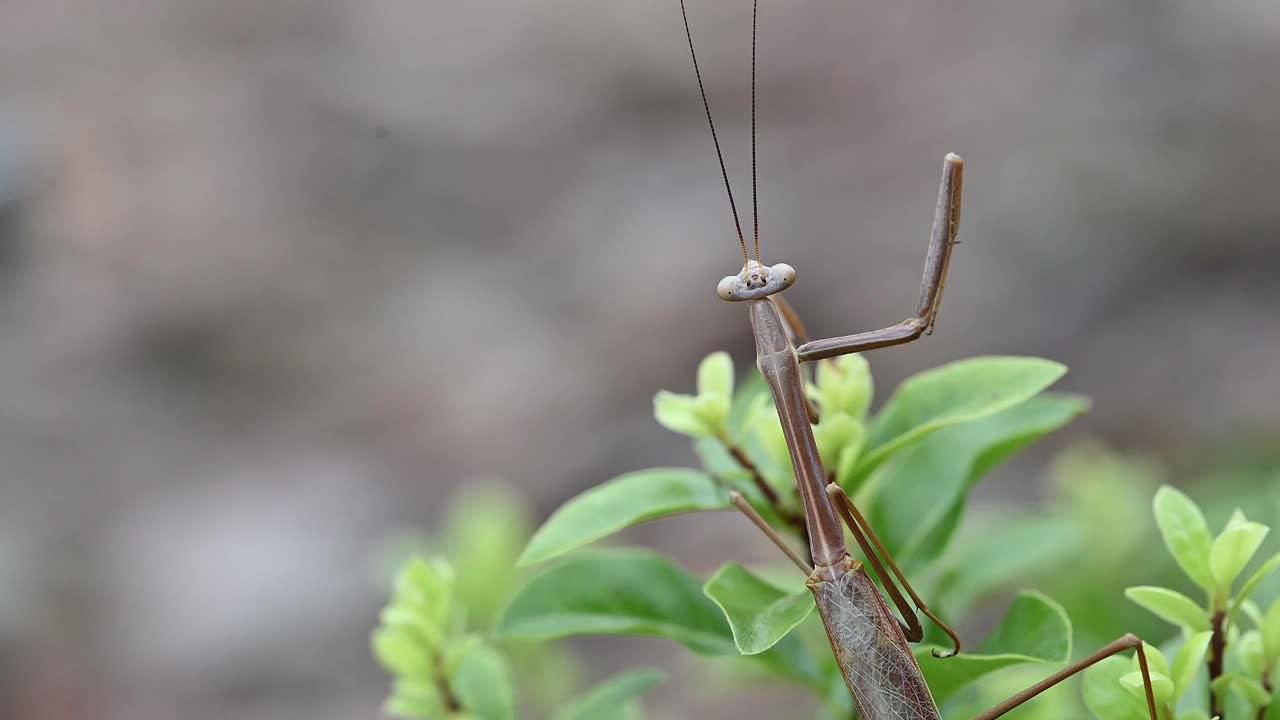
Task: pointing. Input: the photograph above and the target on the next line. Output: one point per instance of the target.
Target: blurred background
(277, 279)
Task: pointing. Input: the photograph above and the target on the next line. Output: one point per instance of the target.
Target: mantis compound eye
(783, 274)
(727, 287)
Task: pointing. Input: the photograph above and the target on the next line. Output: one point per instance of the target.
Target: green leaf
(1109, 495)
(1271, 565)
(847, 462)
(1248, 688)
(679, 414)
(1194, 715)
(1271, 631)
(425, 587)
(1273, 708)
(958, 392)
(745, 398)
(845, 386)
(707, 414)
(482, 684)
(715, 375)
(1250, 608)
(457, 652)
(1232, 550)
(1249, 650)
(836, 433)
(920, 496)
(399, 654)
(609, 700)
(713, 412)
(1105, 695)
(1171, 606)
(1161, 686)
(413, 623)
(417, 699)
(618, 592)
(483, 524)
(759, 613)
(410, 708)
(993, 552)
(1185, 534)
(766, 432)
(1034, 630)
(620, 503)
(1156, 661)
(1189, 661)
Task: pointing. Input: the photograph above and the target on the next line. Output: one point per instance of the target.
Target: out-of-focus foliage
(1241, 668)
(434, 637)
(438, 670)
(441, 672)
(1114, 514)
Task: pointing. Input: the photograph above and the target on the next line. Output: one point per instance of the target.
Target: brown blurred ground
(275, 277)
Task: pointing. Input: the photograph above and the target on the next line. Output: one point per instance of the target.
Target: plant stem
(794, 519)
(1217, 655)
(757, 478)
(1266, 685)
(451, 702)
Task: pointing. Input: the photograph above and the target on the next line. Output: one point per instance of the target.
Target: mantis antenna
(715, 138)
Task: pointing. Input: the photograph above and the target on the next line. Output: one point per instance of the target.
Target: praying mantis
(869, 642)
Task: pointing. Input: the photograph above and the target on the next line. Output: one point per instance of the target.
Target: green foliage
(482, 682)
(918, 499)
(956, 393)
(618, 592)
(1233, 549)
(1000, 550)
(759, 613)
(1106, 695)
(1172, 606)
(1271, 632)
(1214, 564)
(1189, 662)
(620, 503)
(439, 671)
(613, 699)
(707, 413)
(845, 387)
(1186, 534)
(483, 524)
(1034, 630)
(442, 669)
(1259, 576)
(1248, 688)
(911, 466)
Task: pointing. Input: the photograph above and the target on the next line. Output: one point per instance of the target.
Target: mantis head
(756, 281)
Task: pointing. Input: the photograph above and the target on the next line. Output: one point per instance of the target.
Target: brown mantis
(869, 643)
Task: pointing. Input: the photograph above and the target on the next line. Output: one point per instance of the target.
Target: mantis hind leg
(1128, 642)
(861, 531)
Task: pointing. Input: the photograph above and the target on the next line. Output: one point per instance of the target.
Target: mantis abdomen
(870, 649)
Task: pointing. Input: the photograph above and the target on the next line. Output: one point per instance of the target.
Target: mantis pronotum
(870, 644)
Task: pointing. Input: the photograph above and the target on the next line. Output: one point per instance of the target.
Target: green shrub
(910, 467)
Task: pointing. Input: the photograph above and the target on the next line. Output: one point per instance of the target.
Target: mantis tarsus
(869, 643)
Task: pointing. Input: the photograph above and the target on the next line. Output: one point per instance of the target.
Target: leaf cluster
(1223, 667)
(910, 467)
(434, 637)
